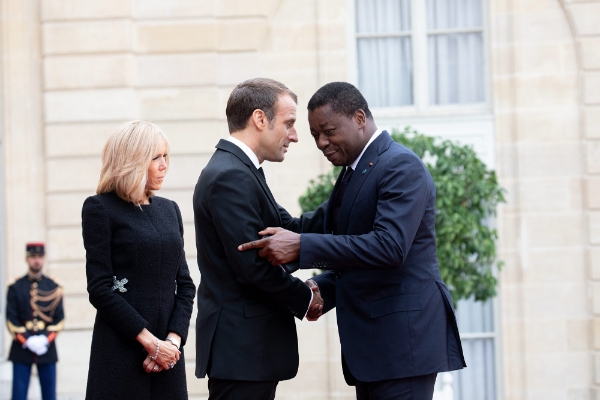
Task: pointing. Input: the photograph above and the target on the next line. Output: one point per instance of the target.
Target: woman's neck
(147, 196)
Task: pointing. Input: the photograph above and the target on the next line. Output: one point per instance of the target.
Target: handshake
(315, 309)
(280, 246)
(37, 344)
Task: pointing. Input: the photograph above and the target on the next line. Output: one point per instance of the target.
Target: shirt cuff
(309, 303)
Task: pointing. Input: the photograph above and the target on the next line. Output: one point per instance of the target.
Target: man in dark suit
(395, 316)
(245, 332)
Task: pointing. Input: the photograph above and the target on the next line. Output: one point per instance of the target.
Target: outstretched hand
(315, 310)
(281, 247)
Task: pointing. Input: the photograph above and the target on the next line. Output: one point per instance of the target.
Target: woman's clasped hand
(162, 354)
(168, 355)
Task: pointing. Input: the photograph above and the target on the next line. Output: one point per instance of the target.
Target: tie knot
(260, 171)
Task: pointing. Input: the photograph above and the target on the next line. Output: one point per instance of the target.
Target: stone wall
(584, 19)
(73, 70)
(546, 95)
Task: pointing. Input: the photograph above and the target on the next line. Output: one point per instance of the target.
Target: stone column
(22, 144)
(585, 22)
(543, 293)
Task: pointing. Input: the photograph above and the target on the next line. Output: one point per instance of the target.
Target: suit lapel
(226, 145)
(367, 163)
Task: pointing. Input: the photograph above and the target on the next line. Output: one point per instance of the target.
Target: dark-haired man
(395, 316)
(245, 332)
(34, 316)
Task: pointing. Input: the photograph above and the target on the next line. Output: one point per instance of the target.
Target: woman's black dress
(137, 278)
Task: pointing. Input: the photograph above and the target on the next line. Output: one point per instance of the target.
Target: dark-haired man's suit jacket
(245, 327)
(394, 313)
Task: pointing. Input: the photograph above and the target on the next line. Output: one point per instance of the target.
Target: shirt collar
(246, 150)
(355, 163)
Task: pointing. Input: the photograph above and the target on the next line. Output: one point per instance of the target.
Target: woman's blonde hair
(126, 157)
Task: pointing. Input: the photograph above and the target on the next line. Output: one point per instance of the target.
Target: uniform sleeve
(15, 327)
(235, 210)
(402, 198)
(184, 298)
(97, 237)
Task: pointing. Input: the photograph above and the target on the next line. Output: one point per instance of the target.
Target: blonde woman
(137, 275)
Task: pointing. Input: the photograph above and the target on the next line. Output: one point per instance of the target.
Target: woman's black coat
(137, 277)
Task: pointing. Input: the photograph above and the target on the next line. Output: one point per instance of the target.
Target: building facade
(517, 79)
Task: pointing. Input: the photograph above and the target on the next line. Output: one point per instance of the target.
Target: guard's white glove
(37, 344)
(30, 343)
(42, 345)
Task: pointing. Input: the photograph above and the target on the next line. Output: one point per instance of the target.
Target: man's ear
(259, 119)
(361, 118)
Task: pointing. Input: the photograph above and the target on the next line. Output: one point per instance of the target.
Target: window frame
(419, 34)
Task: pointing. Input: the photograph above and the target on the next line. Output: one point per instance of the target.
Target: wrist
(155, 356)
(173, 341)
(147, 340)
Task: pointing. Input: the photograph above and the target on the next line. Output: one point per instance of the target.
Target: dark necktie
(260, 171)
(339, 196)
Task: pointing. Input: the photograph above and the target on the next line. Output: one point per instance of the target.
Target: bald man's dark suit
(395, 315)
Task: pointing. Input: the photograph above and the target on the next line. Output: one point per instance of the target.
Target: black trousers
(413, 388)
(226, 389)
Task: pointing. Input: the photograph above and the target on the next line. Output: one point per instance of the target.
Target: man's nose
(293, 136)
(322, 142)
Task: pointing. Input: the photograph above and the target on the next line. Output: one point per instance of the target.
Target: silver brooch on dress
(119, 284)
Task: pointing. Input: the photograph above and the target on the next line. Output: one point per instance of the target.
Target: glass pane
(456, 68)
(448, 14)
(380, 16)
(475, 316)
(385, 71)
(478, 380)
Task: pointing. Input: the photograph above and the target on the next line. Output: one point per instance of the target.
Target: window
(477, 330)
(455, 51)
(420, 53)
(384, 48)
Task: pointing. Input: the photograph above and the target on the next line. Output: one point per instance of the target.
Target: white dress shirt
(246, 150)
(355, 163)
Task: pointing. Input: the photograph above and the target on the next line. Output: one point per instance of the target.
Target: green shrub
(467, 196)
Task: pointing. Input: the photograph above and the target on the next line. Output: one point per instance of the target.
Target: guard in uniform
(34, 315)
